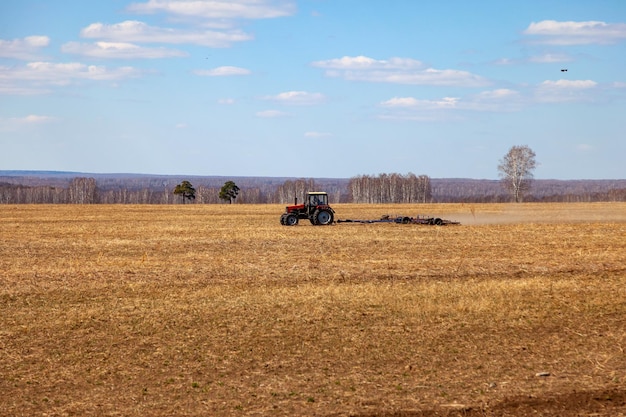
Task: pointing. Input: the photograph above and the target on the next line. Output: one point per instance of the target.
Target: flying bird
(564, 70)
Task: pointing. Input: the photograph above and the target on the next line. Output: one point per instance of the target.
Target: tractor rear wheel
(322, 217)
(291, 220)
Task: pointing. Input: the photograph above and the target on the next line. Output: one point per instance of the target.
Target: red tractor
(315, 208)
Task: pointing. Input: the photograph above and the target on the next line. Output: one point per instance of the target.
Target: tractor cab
(316, 199)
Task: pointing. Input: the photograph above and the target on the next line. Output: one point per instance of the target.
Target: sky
(313, 88)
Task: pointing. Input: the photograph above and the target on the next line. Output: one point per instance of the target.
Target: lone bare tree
(516, 171)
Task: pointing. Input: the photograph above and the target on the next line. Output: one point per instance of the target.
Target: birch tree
(516, 171)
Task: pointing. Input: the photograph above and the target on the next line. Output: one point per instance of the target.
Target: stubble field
(219, 310)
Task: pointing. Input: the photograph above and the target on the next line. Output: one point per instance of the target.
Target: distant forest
(38, 187)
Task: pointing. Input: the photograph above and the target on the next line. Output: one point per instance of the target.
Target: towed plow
(426, 220)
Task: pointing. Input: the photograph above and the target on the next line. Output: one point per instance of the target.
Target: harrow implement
(425, 220)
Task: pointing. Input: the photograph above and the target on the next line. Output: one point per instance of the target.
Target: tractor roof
(316, 192)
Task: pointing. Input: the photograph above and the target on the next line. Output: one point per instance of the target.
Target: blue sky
(313, 88)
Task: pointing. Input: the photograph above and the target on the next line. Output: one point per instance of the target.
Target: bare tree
(516, 171)
(424, 189)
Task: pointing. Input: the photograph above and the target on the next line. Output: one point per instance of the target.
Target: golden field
(218, 310)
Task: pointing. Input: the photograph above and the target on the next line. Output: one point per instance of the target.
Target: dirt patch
(595, 403)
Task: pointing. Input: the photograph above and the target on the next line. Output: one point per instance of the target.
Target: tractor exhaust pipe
(295, 201)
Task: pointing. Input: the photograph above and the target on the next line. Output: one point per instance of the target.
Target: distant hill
(126, 180)
(39, 174)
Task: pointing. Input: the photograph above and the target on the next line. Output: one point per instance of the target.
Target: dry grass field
(217, 310)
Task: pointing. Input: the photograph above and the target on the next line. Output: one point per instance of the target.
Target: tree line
(359, 189)
(384, 188)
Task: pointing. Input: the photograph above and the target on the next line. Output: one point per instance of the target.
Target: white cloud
(119, 50)
(566, 91)
(550, 58)
(181, 125)
(576, 33)
(545, 58)
(135, 31)
(419, 116)
(420, 110)
(60, 73)
(507, 100)
(15, 123)
(7, 89)
(34, 119)
(271, 114)
(498, 100)
(218, 9)
(505, 61)
(227, 101)
(401, 102)
(25, 49)
(365, 63)
(223, 71)
(396, 70)
(492, 100)
(36, 77)
(448, 108)
(569, 84)
(410, 102)
(297, 98)
(500, 93)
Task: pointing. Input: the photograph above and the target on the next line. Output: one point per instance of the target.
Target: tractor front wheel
(291, 220)
(323, 217)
